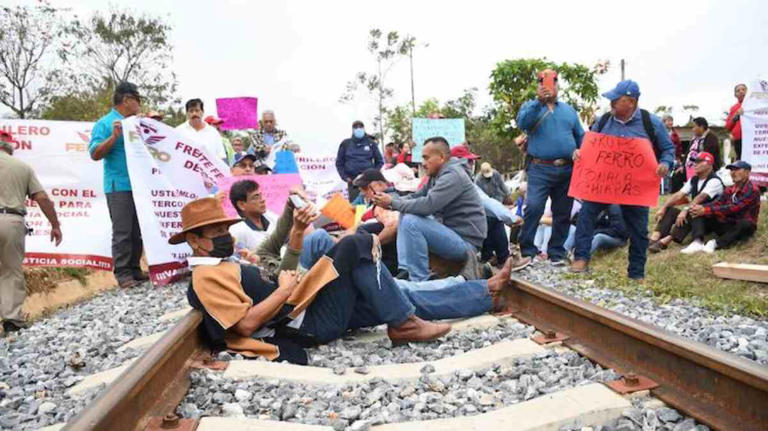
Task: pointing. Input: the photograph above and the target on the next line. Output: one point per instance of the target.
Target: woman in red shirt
(405, 155)
(733, 122)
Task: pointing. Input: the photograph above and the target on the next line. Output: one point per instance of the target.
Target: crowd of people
(439, 237)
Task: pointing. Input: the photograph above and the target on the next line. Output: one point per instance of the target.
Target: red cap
(705, 157)
(461, 152)
(213, 120)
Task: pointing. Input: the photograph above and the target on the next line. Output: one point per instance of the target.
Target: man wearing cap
(18, 182)
(107, 144)
(356, 154)
(732, 216)
(216, 123)
(371, 182)
(675, 224)
(553, 133)
(446, 217)
(244, 313)
(247, 164)
(628, 120)
(266, 136)
(199, 132)
(733, 122)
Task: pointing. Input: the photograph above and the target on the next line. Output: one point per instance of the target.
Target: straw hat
(199, 213)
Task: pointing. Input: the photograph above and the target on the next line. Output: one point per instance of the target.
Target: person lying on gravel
(244, 313)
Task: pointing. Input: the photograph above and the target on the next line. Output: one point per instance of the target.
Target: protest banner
(318, 172)
(616, 170)
(58, 153)
(273, 188)
(452, 129)
(238, 113)
(754, 131)
(167, 170)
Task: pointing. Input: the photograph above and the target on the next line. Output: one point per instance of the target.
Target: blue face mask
(358, 132)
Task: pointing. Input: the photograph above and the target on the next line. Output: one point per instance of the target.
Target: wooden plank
(741, 271)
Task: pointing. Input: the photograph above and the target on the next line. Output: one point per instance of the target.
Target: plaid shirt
(736, 203)
(259, 146)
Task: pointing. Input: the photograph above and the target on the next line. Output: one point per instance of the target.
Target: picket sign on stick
(616, 170)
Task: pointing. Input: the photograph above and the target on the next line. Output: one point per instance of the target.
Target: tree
(514, 81)
(122, 46)
(80, 105)
(28, 38)
(387, 50)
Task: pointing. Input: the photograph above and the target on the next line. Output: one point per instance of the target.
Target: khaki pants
(12, 289)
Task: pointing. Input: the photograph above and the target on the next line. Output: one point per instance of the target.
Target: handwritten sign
(274, 189)
(452, 129)
(616, 170)
(238, 113)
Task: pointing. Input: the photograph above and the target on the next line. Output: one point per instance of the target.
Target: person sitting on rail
(346, 288)
(675, 224)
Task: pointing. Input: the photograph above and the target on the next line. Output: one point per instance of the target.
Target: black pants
(737, 146)
(727, 233)
(126, 235)
(666, 226)
(496, 242)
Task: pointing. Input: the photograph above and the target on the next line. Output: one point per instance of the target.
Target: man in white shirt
(675, 224)
(257, 223)
(197, 130)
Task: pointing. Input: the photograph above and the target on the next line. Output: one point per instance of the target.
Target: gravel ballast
(39, 364)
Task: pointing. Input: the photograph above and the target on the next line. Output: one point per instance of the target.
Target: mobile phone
(297, 201)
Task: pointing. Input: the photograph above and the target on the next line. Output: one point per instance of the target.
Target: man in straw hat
(244, 313)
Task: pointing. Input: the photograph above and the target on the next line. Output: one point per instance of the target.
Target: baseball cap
(740, 164)
(211, 119)
(705, 157)
(240, 157)
(461, 152)
(368, 176)
(261, 167)
(624, 88)
(7, 141)
(357, 123)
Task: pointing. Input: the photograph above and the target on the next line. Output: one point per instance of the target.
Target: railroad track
(723, 391)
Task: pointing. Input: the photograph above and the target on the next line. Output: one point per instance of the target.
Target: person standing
(200, 132)
(107, 144)
(267, 136)
(356, 154)
(18, 182)
(703, 141)
(626, 119)
(553, 133)
(733, 122)
(669, 123)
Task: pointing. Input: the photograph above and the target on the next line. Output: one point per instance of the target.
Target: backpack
(647, 124)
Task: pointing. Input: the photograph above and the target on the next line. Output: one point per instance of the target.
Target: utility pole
(622, 69)
(413, 94)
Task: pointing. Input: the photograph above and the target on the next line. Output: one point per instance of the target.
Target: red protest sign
(616, 170)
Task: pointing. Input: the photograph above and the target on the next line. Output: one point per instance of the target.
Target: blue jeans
(448, 298)
(315, 245)
(568, 244)
(547, 181)
(603, 241)
(496, 242)
(417, 236)
(636, 219)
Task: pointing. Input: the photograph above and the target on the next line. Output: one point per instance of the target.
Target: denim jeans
(547, 181)
(603, 241)
(568, 244)
(417, 236)
(315, 245)
(448, 298)
(355, 299)
(543, 235)
(496, 242)
(636, 219)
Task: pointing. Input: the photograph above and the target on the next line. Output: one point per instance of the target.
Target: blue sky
(296, 56)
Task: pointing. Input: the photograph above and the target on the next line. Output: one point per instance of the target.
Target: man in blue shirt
(554, 132)
(107, 144)
(625, 119)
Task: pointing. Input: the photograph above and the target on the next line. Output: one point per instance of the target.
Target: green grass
(78, 274)
(671, 275)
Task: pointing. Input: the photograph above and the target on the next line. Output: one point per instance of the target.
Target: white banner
(319, 175)
(167, 170)
(754, 130)
(58, 153)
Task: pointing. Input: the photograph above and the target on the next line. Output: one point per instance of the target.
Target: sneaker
(710, 246)
(694, 247)
(559, 262)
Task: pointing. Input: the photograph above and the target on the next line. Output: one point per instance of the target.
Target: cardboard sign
(616, 170)
(238, 113)
(339, 210)
(274, 188)
(285, 163)
(452, 129)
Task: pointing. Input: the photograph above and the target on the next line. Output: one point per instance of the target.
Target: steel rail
(152, 386)
(724, 391)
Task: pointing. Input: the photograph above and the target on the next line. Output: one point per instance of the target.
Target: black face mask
(223, 246)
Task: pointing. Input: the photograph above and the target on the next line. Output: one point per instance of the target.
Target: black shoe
(403, 275)
(9, 327)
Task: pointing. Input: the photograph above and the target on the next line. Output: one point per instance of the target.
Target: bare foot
(500, 280)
